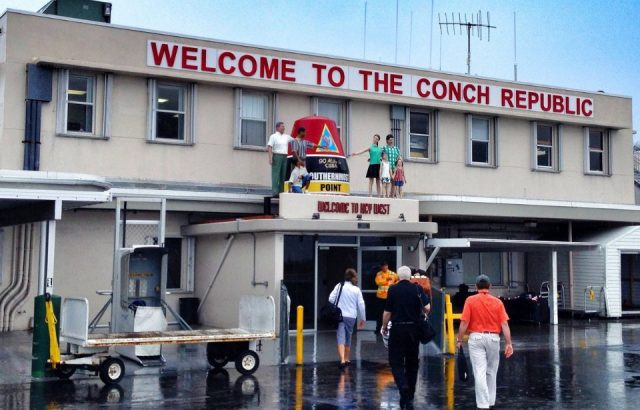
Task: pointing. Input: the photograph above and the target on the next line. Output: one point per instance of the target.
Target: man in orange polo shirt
(484, 317)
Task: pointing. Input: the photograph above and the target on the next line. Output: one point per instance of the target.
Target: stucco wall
(214, 160)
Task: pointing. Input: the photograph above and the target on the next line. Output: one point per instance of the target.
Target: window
(485, 263)
(338, 111)
(597, 151)
(180, 263)
(545, 147)
(255, 118)
(172, 118)
(421, 140)
(83, 99)
(481, 149)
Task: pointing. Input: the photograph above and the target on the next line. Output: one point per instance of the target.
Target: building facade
(159, 115)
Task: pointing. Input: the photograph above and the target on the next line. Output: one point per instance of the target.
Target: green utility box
(80, 9)
(40, 347)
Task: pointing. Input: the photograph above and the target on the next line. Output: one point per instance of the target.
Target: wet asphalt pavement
(576, 365)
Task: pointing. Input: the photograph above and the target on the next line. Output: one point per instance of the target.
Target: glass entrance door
(332, 261)
(369, 260)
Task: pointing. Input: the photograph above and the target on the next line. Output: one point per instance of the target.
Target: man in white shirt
(277, 147)
(349, 299)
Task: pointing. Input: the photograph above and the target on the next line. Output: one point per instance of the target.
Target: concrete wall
(214, 160)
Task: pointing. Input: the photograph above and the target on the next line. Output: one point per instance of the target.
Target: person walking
(393, 153)
(484, 316)
(351, 303)
(373, 171)
(406, 303)
(277, 148)
(384, 279)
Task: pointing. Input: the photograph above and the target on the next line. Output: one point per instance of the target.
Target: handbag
(330, 312)
(461, 361)
(426, 332)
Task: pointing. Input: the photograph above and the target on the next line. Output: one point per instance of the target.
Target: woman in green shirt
(373, 172)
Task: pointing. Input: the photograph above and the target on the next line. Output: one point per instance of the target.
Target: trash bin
(188, 309)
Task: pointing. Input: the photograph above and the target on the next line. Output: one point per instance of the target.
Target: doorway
(369, 260)
(630, 280)
(332, 261)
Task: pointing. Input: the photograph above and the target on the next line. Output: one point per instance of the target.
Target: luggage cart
(95, 352)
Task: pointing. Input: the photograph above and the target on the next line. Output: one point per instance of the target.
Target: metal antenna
(473, 26)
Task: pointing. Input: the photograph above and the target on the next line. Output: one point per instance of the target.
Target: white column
(50, 255)
(553, 291)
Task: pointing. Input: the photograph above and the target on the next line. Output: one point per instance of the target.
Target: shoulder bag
(330, 312)
(426, 332)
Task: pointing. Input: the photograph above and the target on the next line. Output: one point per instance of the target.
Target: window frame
(101, 104)
(271, 114)
(501, 283)
(187, 265)
(492, 154)
(432, 142)
(189, 101)
(556, 141)
(345, 117)
(605, 151)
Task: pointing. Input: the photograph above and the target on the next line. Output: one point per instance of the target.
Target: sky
(587, 45)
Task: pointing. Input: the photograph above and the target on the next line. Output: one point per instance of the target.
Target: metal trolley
(95, 351)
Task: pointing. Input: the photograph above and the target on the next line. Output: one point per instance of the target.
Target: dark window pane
(545, 135)
(170, 126)
(419, 146)
(419, 123)
(299, 275)
(174, 262)
(170, 97)
(79, 117)
(595, 161)
(480, 151)
(595, 139)
(544, 156)
(80, 89)
(378, 241)
(253, 132)
(337, 239)
(480, 129)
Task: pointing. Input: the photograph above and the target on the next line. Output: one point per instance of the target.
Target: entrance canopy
(513, 245)
(33, 196)
(508, 245)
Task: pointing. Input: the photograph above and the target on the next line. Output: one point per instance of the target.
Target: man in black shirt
(406, 303)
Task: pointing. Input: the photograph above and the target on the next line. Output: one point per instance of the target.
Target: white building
(123, 112)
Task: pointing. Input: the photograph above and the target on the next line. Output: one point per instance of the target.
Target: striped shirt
(393, 153)
(300, 146)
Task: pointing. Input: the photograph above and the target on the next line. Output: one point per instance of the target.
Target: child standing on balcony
(398, 177)
(385, 174)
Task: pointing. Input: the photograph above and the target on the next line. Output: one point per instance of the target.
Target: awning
(33, 196)
(513, 245)
(314, 226)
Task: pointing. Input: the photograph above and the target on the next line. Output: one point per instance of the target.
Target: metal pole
(431, 37)
(364, 41)
(553, 292)
(515, 57)
(397, 6)
(468, 49)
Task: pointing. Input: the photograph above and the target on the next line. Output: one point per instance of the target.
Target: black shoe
(342, 365)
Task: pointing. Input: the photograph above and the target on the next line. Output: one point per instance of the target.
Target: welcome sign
(262, 67)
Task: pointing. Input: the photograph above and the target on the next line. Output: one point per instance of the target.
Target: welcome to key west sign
(239, 64)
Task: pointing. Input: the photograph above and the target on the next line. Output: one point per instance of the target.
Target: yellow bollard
(449, 377)
(299, 336)
(450, 331)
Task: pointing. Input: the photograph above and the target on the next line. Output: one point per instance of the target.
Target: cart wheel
(217, 355)
(111, 370)
(65, 371)
(247, 362)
